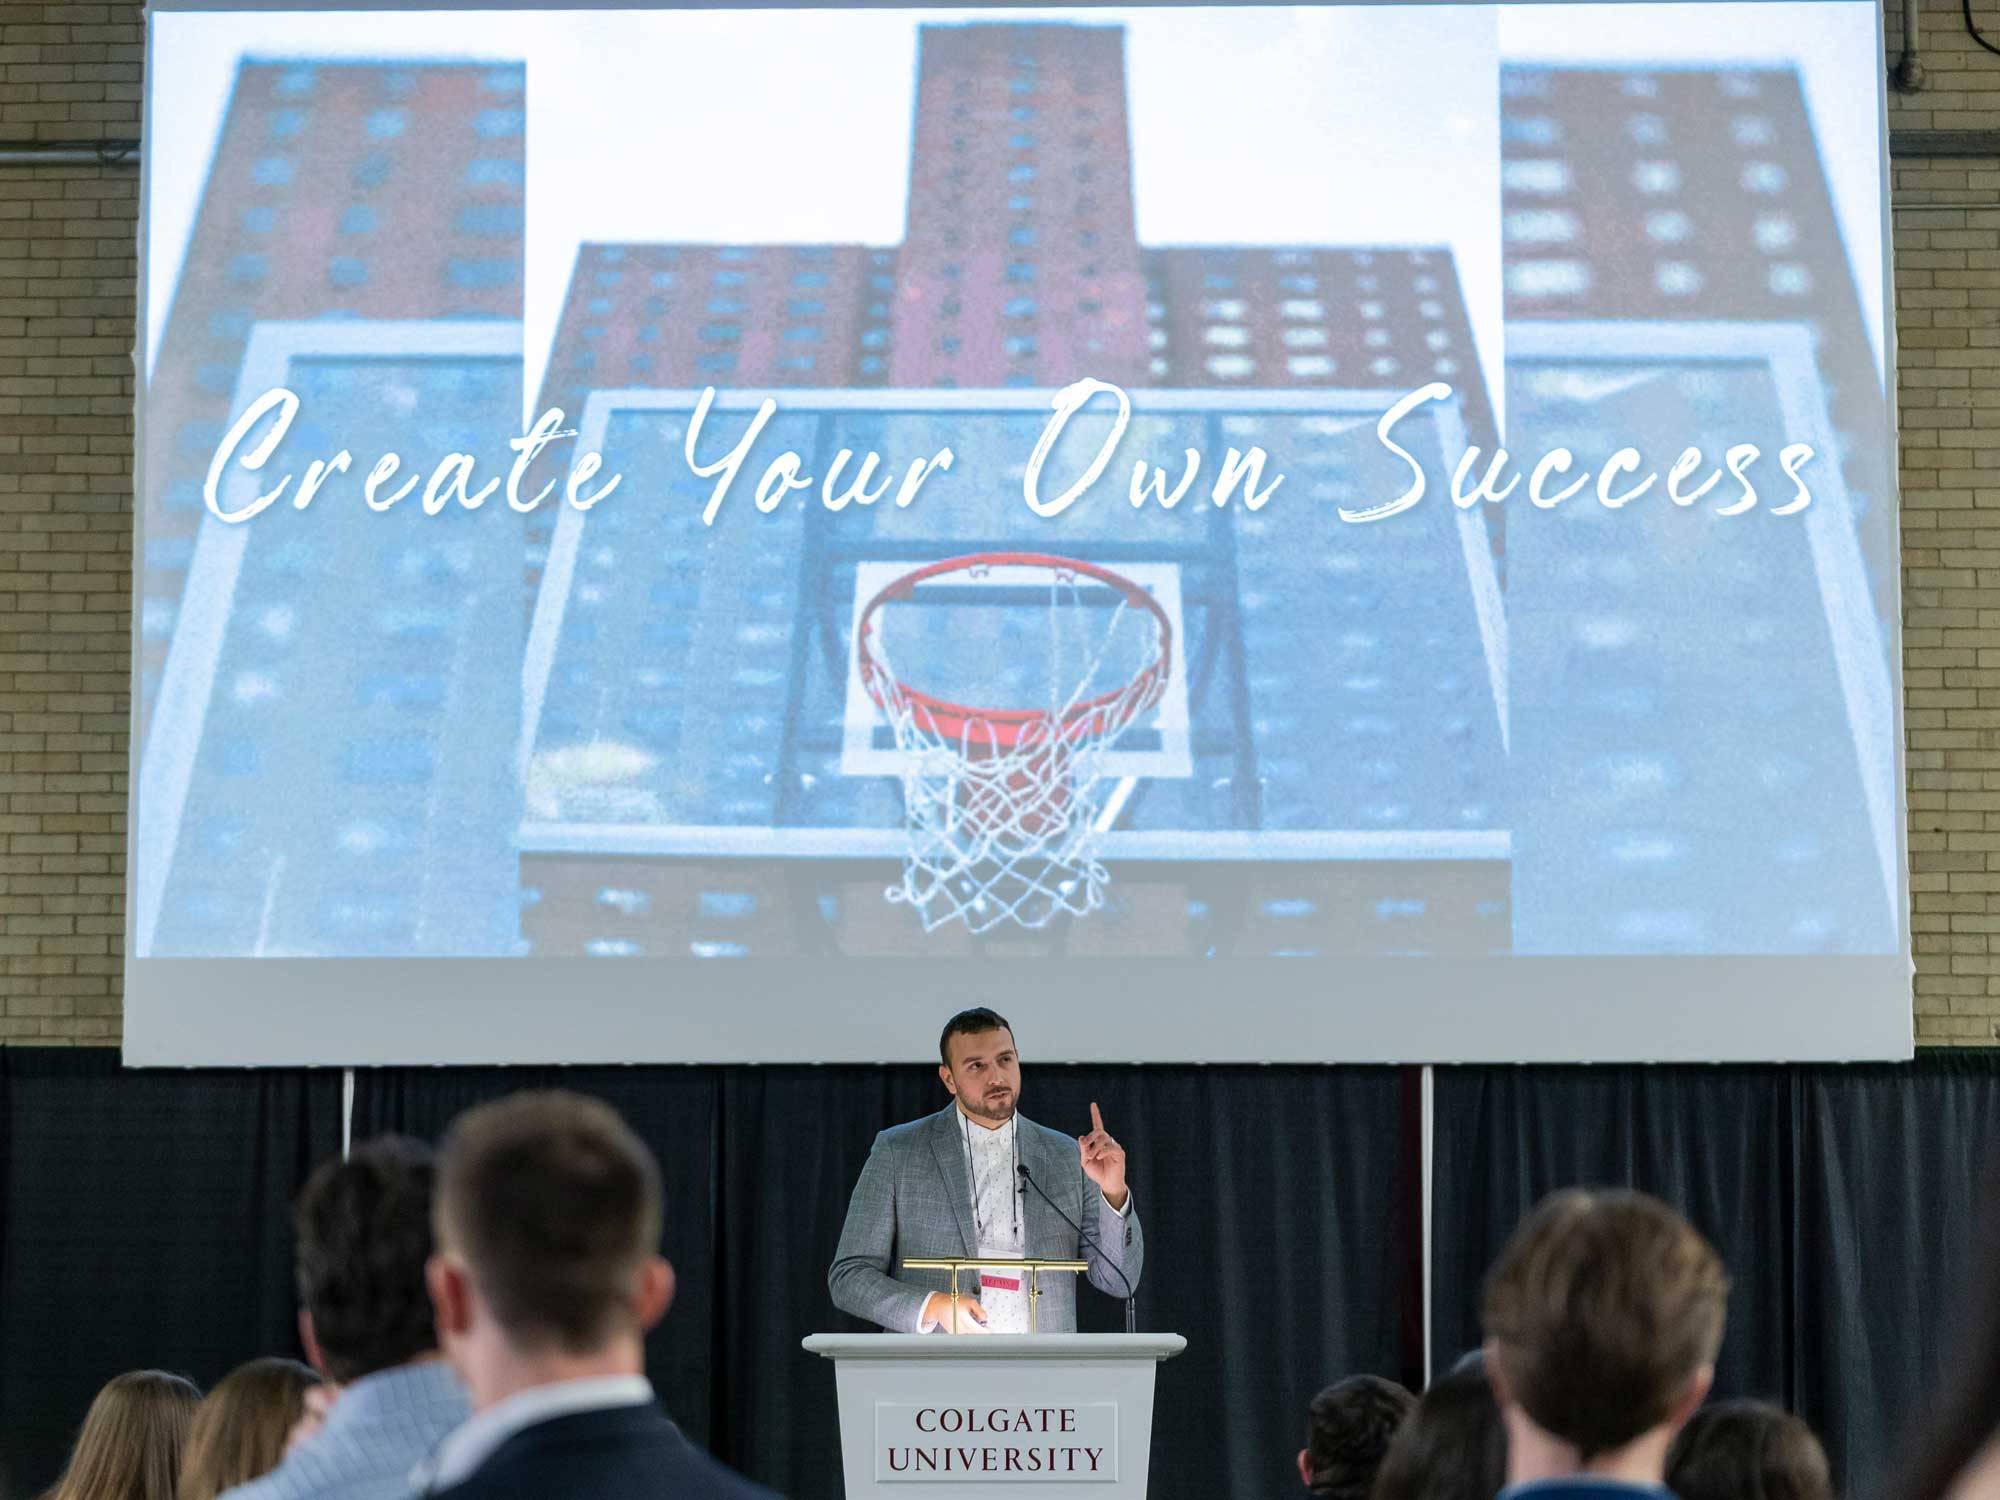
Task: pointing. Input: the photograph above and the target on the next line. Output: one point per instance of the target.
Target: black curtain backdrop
(143, 1222)
(1269, 1197)
(1847, 1201)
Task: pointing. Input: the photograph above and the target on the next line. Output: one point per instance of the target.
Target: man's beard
(999, 1111)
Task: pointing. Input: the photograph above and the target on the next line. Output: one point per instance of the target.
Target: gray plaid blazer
(914, 1198)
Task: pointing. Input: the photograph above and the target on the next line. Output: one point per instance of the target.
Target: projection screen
(1226, 533)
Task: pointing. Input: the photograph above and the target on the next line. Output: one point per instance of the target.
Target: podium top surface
(1062, 1346)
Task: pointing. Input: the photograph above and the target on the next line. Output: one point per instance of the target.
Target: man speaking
(974, 1180)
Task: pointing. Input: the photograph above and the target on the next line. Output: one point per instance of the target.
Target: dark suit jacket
(625, 1453)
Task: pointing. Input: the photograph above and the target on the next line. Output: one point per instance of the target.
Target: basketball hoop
(1002, 805)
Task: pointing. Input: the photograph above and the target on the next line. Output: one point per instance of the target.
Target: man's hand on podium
(937, 1315)
(1104, 1161)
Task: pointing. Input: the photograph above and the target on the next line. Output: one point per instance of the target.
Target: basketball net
(1003, 807)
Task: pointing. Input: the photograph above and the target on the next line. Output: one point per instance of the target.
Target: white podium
(924, 1416)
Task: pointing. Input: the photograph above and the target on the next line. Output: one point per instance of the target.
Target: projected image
(908, 662)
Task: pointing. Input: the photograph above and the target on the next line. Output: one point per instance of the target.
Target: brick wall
(68, 263)
(1947, 222)
(67, 282)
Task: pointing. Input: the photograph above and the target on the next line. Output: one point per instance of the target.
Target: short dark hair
(555, 1205)
(1454, 1445)
(1747, 1450)
(1348, 1429)
(1602, 1308)
(364, 1232)
(970, 1023)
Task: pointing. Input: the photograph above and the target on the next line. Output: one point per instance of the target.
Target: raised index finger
(1096, 1119)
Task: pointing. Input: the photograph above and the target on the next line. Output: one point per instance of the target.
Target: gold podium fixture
(955, 1264)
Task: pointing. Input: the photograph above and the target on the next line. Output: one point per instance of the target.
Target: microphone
(1131, 1297)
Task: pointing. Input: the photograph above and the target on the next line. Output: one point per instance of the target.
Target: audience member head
(1747, 1450)
(1348, 1428)
(364, 1235)
(1603, 1317)
(132, 1440)
(241, 1426)
(1453, 1447)
(547, 1265)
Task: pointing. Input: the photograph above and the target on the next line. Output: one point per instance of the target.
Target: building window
(271, 171)
(1229, 309)
(809, 278)
(286, 123)
(805, 307)
(796, 362)
(1218, 281)
(1020, 234)
(1302, 307)
(873, 364)
(1227, 336)
(1231, 366)
(728, 278)
(1020, 203)
(1020, 140)
(477, 273)
(1021, 307)
(948, 344)
(372, 170)
(1021, 172)
(1021, 270)
(803, 334)
(246, 269)
(721, 333)
(1020, 345)
(725, 305)
(347, 270)
(716, 364)
(875, 338)
(1310, 365)
(491, 219)
(261, 220)
(498, 124)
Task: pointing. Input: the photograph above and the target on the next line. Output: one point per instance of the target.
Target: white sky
(1320, 125)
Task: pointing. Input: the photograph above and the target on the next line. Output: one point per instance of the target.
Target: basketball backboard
(692, 700)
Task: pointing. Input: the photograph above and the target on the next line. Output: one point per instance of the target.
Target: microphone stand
(1131, 1297)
